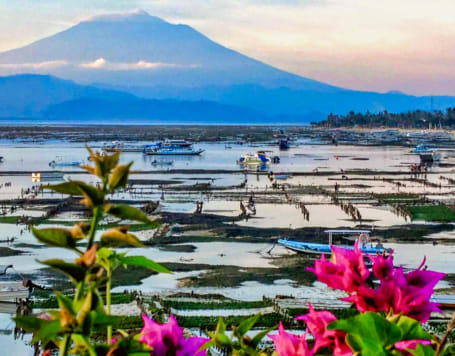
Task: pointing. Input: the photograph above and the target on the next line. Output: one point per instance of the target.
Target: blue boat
(284, 144)
(423, 149)
(365, 244)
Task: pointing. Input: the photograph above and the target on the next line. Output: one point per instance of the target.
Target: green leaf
(95, 196)
(48, 332)
(55, 237)
(119, 176)
(115, 237)
(412, 329)
(207, 345)
(70, 188)
(44, 330)
(65, 303)
(75, 272)
(246, 325)
(142, 261)
(127, 212)
(101, 320)
(368, 333)
(223, 340)
(259, 336)
(29, 323)
(220, 326)
(423, 350)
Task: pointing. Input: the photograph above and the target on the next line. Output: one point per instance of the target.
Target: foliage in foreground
(388, 320)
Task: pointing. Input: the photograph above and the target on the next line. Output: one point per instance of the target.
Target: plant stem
(108, 303)
(443, 342)
(96, 218)
(64, 345)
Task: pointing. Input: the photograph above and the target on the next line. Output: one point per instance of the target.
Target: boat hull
(317, 249)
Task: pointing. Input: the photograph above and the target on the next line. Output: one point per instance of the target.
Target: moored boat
(260, 157)
(62, 162)
(432, 156)
(117, 146)
(172, 151)
(284, 144)
(364, 240)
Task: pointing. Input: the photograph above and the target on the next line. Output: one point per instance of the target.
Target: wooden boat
(365, 243)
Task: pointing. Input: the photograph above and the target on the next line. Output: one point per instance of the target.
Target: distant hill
(47, 97)
(27, 94)
(153, 110)
(287, 101)
(135, 54)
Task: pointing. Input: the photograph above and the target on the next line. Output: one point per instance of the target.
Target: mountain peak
(132, 16)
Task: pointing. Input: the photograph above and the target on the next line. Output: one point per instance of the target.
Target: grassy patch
(9, 219)
(51, 302)
(432, 213)
(339, 313)
(228, 304)
(209, 322)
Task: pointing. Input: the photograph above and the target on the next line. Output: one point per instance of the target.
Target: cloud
(20, 67)
(103, 64)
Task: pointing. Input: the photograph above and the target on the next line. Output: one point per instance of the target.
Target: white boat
(365, 243)
(177, 143)
(117, 146)
(260, 157)
(171, 151)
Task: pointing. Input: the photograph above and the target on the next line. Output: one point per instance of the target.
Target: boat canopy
(364, 234)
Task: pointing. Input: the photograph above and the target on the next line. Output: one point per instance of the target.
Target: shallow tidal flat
(221, 251)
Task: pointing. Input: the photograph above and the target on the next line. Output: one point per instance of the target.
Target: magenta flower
(401, 293)
(317, 322)
(382, 266)
(346, 271)
(167, 338)
(406, 345)
(287, 344)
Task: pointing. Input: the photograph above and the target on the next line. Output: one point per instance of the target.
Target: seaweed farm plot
(216, 224)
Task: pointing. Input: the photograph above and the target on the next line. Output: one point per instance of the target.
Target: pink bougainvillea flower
(382, 266)
(287, 344)
(346, 270)
(423, 278)
(317, 322)
(167, 338)
(406, 345)
(398, 292)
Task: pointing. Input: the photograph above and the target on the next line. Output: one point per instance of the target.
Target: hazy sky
(406, 45)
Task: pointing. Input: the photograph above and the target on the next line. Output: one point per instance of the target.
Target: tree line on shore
(410, 119)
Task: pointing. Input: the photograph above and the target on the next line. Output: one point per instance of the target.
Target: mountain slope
(26, 95)
(139, 49)
(276, 101)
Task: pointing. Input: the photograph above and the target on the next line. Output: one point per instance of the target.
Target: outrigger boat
(365, 243)
(427, 154)
(60, 162)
